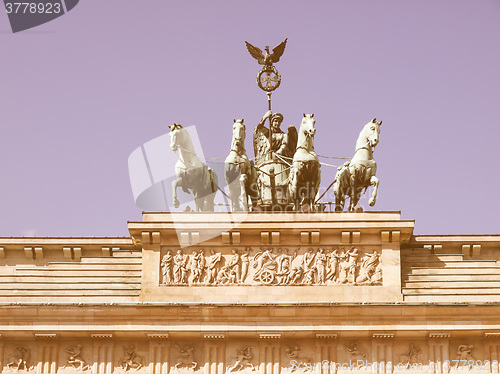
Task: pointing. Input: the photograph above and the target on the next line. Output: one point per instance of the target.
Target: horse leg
(243, 198)
(339, 198)
(373, 182)
(354, 193)
(292, 187)
(175, 184)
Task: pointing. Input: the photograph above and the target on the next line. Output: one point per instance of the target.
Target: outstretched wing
(278, 51)
(256, 53)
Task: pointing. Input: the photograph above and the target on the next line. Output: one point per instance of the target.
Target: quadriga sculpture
(240, 172)
(305, 174)
(191, 173)
(359, 173)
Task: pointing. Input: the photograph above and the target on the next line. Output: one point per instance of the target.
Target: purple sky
(79, 94)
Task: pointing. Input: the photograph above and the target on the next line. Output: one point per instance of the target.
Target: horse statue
(359, 173)
(305, 172)
(239, 172)
(191, 173)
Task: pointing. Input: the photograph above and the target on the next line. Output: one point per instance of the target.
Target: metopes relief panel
(266, 356)
(280, 266)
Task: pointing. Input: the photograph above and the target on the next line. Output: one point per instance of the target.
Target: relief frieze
(271, 266)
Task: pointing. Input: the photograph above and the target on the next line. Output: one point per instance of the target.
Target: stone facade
(269, 293)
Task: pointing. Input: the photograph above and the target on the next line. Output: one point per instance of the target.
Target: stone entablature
(107, 305)
(343, 255)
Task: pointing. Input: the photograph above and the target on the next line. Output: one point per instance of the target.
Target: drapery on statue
(359, 173)
(305, 174)
(240, 172)
(191, 173)
(282, 143)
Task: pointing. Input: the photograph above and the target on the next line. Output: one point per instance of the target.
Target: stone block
(385, 236)
(155, 237)
(195, 237)
(356, 237)
(346, 237)
(396, 236)
(476, 249)
(226, 237)
(275, 237)
(315, 237)
(67, 252)
(145, 238)
(235, 237)
(184, 238)
(304, 237)
(466, 250)
(264, 237)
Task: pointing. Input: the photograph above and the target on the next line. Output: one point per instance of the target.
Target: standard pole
(270, 126)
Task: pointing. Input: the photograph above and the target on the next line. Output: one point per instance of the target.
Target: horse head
(370, 133)
(307, 125)
(239, 128)
(175, 131)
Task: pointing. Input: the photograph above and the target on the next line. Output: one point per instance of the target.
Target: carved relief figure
(197, 266)
(464, 352)
(131, 360)
(234, 266)
(353, 351)
(308, 267)
(185, 358)
(243, 360)
(245, 264)
(166, 268)
(211, 275)
(265, 265)
(320, 266)
(333, 264)
(413, 355)
(74, 358)
(352, 259)
(180, 268)
(21, 359)
(284, 262)
(368, 268)
(294, 352)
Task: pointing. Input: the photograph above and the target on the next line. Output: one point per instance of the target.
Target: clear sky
(79, 94)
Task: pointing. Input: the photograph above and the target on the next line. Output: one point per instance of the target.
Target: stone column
(269, 353)
(492, 350)
(439, 351)
(382, 353)
(326, 354)
(48, 350)
(159, 352)
(102, 355)
(215, 354)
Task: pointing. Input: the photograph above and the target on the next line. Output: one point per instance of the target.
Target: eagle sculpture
(269, 58)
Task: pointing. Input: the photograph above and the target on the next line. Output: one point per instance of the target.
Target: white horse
(240, 172)
(359, 173)
(305, 174)
(190, 172)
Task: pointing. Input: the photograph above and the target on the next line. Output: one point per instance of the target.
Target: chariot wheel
(266, 277)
